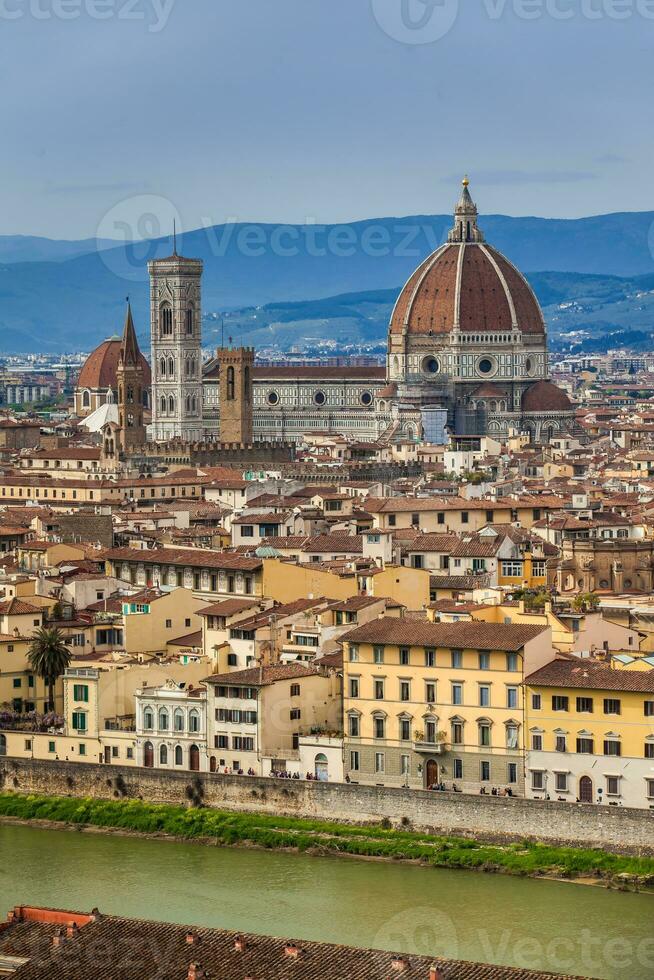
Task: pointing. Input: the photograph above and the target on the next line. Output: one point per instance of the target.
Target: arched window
(163, 719)
(171, 405)
(178, 720)
(166, 319)
(194, 720)
(230, 384)
(163, 755)
(190, 317)
(148, 719)
(162, 367)
(86, 399)
(179, 756)
(194, 404)
(188, 403)
(171, 367)
(163, 405)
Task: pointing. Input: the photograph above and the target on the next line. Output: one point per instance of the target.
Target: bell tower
(176, 332)
(129, 377)
(235, 383)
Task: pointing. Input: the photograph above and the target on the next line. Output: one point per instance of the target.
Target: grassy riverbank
(523, 858)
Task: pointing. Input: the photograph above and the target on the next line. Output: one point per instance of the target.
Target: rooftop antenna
(174, 236)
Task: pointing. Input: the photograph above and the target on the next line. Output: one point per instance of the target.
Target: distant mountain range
(62, 296)
(583, 312)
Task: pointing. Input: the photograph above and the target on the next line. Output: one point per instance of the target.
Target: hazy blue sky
(320, 109)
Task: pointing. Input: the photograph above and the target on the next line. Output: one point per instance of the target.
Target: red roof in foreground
(71, 946)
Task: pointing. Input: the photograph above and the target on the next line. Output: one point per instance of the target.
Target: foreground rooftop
(40, 943)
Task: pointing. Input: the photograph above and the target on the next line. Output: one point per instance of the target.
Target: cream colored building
(256, 717)
(171, 727)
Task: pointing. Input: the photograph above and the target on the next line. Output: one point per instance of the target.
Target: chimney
(239, 944)
(72, 930)
(435, 973)
(399, 964)
(195, 972)
(191, 938)
(291, 950)
(58, 939)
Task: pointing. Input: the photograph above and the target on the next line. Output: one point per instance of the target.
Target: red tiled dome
(99, 369)
(545, 397)
(469, 285)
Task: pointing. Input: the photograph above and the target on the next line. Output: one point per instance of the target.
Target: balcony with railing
(430, 740)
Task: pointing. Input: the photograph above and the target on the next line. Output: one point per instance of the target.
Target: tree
(49, 657)
(586, 602)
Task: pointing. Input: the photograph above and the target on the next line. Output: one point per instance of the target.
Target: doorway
(585, 789)
(148, 755)
(194, 758)
(321, 768)
(431, 773)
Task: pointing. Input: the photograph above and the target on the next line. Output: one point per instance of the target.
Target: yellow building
(572, 632)
(426, 703)
(591, 734)
(99, 712)
(284, 581)
(20, 689)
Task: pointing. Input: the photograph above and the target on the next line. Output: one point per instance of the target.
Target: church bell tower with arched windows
(176, 330)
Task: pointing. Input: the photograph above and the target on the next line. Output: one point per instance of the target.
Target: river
(468, 915)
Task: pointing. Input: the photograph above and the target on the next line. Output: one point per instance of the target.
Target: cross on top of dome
(465, 218)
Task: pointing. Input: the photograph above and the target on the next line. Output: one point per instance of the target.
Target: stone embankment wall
(492, 818)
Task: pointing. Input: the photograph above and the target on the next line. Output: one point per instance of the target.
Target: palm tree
(49, 657)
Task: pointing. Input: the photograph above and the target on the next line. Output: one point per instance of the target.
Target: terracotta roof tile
(464, 636)
(583, 674)
(108, 947)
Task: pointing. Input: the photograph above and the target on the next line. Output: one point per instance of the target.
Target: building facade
(591, 734)
(176, 335)
(431, 703)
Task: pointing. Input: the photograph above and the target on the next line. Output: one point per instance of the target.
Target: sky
(119, 115)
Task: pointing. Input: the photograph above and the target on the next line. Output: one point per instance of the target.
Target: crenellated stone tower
(235, 380)
(176, 329)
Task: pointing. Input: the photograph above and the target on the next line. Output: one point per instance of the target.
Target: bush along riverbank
(316, 837)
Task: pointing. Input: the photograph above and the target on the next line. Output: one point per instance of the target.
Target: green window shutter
(80, 692)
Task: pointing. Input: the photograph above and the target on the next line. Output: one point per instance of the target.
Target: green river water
(565, 928)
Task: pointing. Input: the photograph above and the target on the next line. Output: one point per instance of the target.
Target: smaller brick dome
(99, 369)
(545, 397)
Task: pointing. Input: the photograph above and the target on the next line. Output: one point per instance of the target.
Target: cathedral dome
(545, 397)
(99, 369)
(468, 286)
